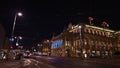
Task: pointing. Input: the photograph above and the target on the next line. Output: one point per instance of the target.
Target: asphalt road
(57, 62)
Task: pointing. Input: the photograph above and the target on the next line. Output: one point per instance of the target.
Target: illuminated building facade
(117, 41)
(45, 47)
(57, 48)
(85, 40)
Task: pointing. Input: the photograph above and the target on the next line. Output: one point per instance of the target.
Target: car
(27, 55)
(18, 56)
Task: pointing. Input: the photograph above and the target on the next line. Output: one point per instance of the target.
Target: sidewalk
(112, 61)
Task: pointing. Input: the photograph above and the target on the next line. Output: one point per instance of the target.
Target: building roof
(74, 27)
(100, 28)
(117, 32)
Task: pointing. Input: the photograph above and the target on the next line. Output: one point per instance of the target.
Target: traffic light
(12, 39)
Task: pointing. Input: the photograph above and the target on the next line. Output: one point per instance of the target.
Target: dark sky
(42, 18)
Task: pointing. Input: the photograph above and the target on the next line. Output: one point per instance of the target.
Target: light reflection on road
(27, 62)
(35, 63)
(56, 62)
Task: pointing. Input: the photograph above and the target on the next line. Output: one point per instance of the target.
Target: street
(57, 62)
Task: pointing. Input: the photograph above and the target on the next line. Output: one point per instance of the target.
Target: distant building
(2, 36)
(44, 47)
(85, 40)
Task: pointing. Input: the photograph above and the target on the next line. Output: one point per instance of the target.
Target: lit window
(89, 31)
(85, 30)
(99, 33)
(57, 44)
(72, 27)
(74, 43)
(85, 42)
(96, 32)
(66, 43)
(93, 32)
(76, 31)
(103, 33)
(108, 33)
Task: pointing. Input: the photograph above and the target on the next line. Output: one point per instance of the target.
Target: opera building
(84, 40)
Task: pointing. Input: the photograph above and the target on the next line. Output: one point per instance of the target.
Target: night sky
(42, 18)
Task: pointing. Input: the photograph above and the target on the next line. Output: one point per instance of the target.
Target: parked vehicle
(18, 56)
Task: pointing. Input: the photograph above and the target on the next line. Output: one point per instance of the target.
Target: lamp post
(17, 14)
(12, 38)
(81, 46)
(80, 31)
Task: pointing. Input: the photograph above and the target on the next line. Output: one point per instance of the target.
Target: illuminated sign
(57, 44)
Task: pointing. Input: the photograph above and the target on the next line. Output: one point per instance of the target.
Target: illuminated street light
(20, 37)
(80, 30)
(17, 14)
(79, 26)
(17, 44)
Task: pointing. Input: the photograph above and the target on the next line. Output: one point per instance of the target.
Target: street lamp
(17, 14)
(80, 31)
(81, 42)
(82, 47)
(18, 38)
